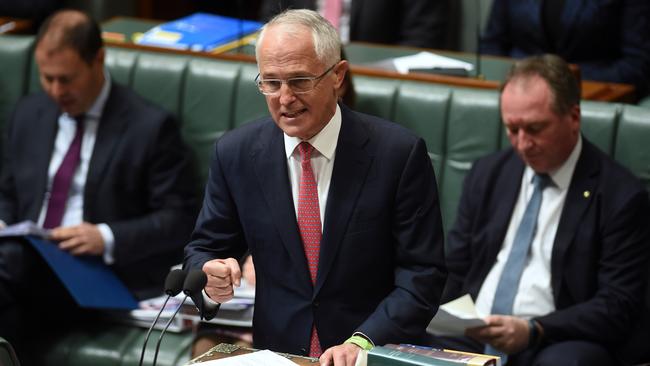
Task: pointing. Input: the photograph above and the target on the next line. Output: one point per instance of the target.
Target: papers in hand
(454, 317)
(24, 228)
(428, 60)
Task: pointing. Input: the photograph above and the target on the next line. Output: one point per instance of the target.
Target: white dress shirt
(73, 214)
(534, 296)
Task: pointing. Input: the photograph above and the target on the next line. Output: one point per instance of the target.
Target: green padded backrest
(632, 148)
(249, 102)
(34, 82)
(7, 354)
(15, 61)
(207, 111)
(120, 63)
(159, 78)
(375, 96)
(423, 108)
(599, 122)
(473, 130)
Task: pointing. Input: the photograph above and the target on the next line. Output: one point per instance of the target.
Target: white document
(259, 358)
(24, 228)
(428, 60)
(454, 317)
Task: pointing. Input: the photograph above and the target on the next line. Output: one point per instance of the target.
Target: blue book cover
(199, 32)
(89, 280)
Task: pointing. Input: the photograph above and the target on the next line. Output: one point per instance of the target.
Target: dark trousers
(34, 304)
(574, 353)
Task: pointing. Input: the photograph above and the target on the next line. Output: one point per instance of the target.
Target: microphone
(194, 284)
(173, 285)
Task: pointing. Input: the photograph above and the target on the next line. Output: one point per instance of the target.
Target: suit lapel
(113, 122)
(271, 169)
(44, 134)
(350, 170)
(580, 195)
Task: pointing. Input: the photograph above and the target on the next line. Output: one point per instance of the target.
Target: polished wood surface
(122, 31)
(14, 25)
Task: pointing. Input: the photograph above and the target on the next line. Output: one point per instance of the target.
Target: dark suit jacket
(381, 268)
(599, 253)
(606, 38)
(419, 23)
(139, 182)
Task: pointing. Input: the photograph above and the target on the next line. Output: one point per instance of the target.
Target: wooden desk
(120, 31)
(14, 25)
(224, 350)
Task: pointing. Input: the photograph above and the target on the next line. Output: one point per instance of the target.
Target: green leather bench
(211, 96)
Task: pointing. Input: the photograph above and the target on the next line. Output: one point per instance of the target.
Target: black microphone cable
(194, 284)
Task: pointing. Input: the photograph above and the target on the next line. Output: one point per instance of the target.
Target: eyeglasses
(299, 85)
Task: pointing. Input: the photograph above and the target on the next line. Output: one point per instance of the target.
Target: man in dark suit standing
(105, 170)
(339, 209)
(551, 236)
(417, 23)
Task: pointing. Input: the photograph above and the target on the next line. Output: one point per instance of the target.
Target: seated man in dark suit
(94, 162)
(551, 236)
(339, 209)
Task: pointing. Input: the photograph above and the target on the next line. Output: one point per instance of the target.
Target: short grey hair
(327, 43)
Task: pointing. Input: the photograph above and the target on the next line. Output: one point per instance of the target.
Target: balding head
(70, 29)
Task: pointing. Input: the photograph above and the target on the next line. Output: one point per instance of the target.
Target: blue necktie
(504, 295)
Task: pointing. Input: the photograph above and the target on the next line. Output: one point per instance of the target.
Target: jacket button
(303, 351)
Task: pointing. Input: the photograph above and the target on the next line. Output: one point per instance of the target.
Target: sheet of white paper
(428, 60)
(259, 358)
(454, 317)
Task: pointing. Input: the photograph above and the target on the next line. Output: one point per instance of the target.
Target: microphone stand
(155, 355)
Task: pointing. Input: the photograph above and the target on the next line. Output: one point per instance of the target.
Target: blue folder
(89, 280)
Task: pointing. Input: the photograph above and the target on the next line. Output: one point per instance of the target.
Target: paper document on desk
(428, 60)
(266, 358)
(454, 317)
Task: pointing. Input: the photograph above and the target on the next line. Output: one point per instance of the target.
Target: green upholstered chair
(207, 108)
(473, 131)
(375, 96)
(7, 354)
(15, 58)
(423, 108)
(631, 148)
(599, 122)
(159, 77)
(249, 102)
(121, 63)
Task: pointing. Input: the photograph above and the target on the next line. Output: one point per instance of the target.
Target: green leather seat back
(249, 102)
(632, 148)
(7, 354)
(599, 122)
(375, 96)
(473, 130)
(15, 61)
(423, 108)
(159, 78)
(115, 345)
(207, 111)
(120, 63)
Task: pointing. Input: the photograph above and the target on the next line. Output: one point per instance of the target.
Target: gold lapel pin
(586, 194)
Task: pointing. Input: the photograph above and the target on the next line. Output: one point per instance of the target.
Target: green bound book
(384, 356)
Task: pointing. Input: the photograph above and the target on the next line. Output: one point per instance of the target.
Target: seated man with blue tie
(551, 236)
(338, 209)
(91, 160)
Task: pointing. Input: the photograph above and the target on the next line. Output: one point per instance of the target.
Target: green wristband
(360, 341)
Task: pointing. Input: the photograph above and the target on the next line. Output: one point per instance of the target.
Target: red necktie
(332, 12)
(309, 225)
(63, 179)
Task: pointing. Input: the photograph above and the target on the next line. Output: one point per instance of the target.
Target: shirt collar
(561, 176)
(324, 142)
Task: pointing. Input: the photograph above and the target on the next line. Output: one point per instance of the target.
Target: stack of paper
(454, 317)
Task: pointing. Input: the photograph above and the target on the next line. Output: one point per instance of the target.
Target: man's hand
(83, 239)
(503, 332)
(342, 355)
(222, 274)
